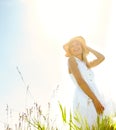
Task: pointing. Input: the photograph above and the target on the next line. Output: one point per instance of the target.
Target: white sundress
(72, 97)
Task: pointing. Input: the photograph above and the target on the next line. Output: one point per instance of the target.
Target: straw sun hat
(78, 39)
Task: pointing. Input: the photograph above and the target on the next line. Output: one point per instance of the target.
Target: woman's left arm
(99, 57)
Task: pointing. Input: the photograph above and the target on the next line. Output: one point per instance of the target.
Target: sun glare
(47, 25)
(52, 23)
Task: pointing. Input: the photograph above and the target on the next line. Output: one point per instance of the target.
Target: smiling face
(75, 48)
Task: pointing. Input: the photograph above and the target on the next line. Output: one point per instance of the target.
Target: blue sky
(19, 26)
(11, 38)
(19, 41)
(20, 46)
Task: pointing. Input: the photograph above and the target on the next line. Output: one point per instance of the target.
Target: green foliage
(79, 123)
(75, 122)
(105, 123)
(34, 119)
(63, 112)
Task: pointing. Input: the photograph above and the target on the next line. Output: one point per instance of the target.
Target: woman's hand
(98, 106)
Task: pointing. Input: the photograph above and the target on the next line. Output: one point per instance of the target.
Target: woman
(85, 97)
(76, 48)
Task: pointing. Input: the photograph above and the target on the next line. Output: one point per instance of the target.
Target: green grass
(34, 119)
(78, 123)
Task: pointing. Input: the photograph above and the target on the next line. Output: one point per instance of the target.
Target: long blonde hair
(84, 47)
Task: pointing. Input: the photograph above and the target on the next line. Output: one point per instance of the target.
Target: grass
(34, 119)
(78, 123)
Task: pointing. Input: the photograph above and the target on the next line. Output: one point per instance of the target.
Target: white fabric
(71, 96)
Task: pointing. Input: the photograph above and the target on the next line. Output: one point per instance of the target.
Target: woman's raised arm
(99, 57)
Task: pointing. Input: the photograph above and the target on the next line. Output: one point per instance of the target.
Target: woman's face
(75, 48)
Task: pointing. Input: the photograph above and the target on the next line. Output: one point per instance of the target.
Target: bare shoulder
(72, 61)
(73, 68)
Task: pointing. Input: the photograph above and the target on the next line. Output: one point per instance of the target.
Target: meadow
(34, 118)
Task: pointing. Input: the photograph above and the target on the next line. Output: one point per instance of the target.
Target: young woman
(77, 51)
(79, 93)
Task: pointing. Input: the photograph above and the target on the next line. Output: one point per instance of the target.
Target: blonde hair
(84, 47)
